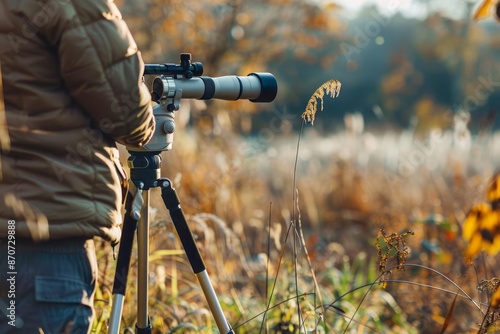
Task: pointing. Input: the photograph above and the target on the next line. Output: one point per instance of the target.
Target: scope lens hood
(269, 87)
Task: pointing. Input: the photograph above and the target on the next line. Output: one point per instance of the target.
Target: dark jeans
(49, 288)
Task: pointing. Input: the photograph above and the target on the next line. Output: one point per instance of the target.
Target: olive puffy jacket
(72, 85)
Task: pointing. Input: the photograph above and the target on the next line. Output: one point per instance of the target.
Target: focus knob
(169, 126)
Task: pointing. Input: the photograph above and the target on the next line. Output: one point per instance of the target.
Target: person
(73, 88)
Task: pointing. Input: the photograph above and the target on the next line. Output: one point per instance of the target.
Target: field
(303, 231)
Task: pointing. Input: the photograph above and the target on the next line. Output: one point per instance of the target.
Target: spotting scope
(185, 81)
(256, 87)
(186, 78)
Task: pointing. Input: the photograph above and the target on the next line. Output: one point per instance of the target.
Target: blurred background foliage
(398, 69)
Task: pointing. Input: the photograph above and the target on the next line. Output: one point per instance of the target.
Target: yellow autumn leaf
(495, 245)
(482, 230)
(472, 221)
(493, 189)
(489, 222)
(495, 298)
(475, 247)
(483, 10)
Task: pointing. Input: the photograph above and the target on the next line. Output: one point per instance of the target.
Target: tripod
(175, 82)
(145, 174)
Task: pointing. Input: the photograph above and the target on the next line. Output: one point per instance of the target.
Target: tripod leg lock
(169, 195)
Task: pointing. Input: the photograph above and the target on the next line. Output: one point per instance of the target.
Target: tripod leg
(122, 266)
(143, 324)
(172, 203)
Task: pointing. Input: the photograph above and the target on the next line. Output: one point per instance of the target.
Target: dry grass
(331, 88)
(238, 199)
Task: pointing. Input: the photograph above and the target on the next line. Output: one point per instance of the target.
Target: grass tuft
(331, 88)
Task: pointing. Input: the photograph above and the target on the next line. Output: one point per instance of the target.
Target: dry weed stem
(331, 88)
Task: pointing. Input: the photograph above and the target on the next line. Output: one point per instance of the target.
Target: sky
(412, 8)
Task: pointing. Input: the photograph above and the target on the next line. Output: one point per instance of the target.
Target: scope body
(256, 87)
(184, 81)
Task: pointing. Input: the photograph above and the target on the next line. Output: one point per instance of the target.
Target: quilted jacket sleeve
(100, 64)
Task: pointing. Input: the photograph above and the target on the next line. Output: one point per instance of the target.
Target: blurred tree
(391, 61)
(232, 36)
